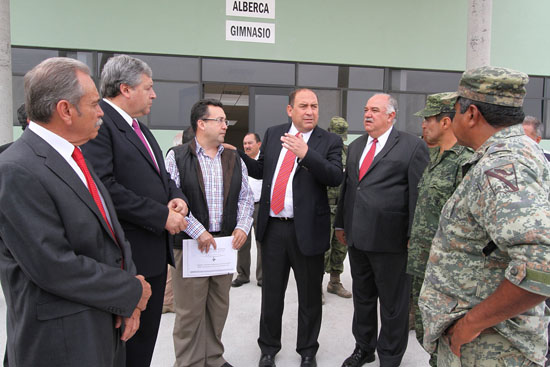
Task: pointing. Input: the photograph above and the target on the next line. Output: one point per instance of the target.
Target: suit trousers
(201, 306)
(380, 276)
(280, 253)
(243, 256)
(139, 349)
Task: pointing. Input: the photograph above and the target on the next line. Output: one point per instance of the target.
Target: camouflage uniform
(439, 181)
(503, 198)
(335, 256)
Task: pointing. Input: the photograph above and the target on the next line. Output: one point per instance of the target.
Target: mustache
(99, 123)
(369, 119)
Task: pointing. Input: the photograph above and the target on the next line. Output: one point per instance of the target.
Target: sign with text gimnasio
(249, 32)
(250, 8)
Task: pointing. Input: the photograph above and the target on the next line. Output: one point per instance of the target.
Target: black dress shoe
(358, 358)
(237, 282)
(308, 361)
(267, 360)
(226, 364)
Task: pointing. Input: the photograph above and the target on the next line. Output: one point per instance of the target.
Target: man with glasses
(215, 182)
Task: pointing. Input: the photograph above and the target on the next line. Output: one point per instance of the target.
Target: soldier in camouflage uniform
(439, 181)
(335, 256)
(488, 272)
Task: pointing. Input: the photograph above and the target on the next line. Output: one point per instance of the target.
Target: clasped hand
(176, 222)
(131, 324)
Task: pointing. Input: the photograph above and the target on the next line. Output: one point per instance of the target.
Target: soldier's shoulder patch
(502, 178)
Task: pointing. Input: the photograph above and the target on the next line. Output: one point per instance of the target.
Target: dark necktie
(368, 159)
(137, 129)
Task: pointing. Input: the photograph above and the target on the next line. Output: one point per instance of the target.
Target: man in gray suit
(65, 266)
(374, 218)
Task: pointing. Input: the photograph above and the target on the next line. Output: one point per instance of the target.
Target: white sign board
(250, 8)
(249, 32)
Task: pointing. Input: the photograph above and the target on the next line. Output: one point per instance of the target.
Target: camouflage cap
(438, 103)
(494, 85)
(339, 125)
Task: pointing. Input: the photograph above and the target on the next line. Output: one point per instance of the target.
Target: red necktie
(137, 129)
(368, 159)
(79, 159)
(278, 197)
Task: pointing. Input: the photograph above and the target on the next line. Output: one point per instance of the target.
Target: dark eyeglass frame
(219, 120)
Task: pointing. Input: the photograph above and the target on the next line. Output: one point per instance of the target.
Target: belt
(283, 219)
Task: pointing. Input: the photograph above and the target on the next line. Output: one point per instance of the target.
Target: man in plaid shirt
(221, 202)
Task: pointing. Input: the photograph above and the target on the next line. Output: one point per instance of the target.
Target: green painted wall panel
(520, 34)
(381, 33)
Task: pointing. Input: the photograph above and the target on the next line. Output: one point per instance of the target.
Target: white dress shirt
(382, 139)
(255, 185)
(288, 210)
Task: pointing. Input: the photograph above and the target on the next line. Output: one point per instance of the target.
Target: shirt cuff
(194, 227)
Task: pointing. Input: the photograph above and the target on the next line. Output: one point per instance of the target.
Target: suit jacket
(377, 211)
(4, 147)
(60, 266)
(321, 167)
(139, 191)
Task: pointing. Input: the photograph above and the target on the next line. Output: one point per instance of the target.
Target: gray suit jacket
(376, 212)
(60, 267)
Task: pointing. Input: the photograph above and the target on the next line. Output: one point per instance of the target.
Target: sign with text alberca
(250, 8)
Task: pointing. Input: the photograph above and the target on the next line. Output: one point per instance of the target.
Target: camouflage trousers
(487, 350)
(335, 255)
(418, 327)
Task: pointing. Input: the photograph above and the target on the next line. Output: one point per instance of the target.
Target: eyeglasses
(219, 120)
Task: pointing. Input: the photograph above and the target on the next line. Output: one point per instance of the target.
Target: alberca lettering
(251, 7)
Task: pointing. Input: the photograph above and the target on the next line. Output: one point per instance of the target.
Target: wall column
(6, 103)
(478, 51)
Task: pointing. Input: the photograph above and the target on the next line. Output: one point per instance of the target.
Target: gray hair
(122, 69)
(535, 122)
(391, 106)
(49, 82)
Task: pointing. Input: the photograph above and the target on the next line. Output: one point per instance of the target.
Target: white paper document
(222, 260)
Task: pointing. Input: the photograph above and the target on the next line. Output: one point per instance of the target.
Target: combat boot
(334, 286)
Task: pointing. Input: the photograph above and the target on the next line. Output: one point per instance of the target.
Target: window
(248, 72)
(424, 81)
(172, 107)
(317, 76)
(366, 78)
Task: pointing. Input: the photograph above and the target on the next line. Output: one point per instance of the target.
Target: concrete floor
(241, 330)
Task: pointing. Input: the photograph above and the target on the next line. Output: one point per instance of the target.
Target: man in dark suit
(294, 220)
(65, 265)
(130, 163)
(374, 217)
(22, 118)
